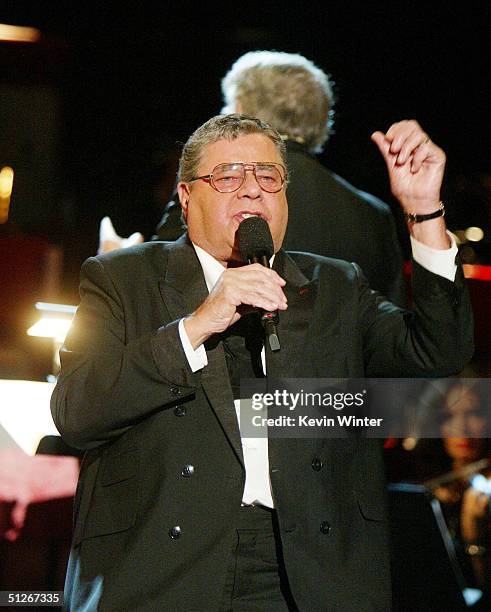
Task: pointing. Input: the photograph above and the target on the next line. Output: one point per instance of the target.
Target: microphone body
(266, 316)
(256, 246)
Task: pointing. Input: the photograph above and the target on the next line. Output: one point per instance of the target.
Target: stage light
(18, 33)
(409, 444)
(6, 181)
(6, 184)
(54, 323)
(50, 328)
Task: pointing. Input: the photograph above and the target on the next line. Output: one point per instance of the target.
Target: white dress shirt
(257, 489)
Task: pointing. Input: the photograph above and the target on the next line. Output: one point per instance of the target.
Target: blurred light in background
(6, 184)
(25, 413)
(50, 328)
(474, 234)
(409, 444)
(18, 33)
(55, 321)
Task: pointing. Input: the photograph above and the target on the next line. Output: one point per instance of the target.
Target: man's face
(213, 218)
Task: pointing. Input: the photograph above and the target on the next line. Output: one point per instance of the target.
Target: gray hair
(223, 127)
(284, 89)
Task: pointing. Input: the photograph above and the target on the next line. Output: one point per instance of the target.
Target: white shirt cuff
(438, 261)
(198, 358)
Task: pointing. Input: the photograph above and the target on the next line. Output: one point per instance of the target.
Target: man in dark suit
(174, 511)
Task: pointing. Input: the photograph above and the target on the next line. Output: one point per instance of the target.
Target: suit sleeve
(108, 384)
(396, 284)
(435, 338)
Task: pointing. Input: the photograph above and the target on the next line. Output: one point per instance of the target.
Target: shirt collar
(212, 269)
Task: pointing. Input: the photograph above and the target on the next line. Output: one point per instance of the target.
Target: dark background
(91, 116)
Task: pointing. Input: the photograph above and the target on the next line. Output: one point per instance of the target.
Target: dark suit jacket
(126, 393)
(329, 217)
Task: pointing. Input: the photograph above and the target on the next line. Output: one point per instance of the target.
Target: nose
(250, 187)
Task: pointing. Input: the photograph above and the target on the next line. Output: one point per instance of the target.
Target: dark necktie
(243, 343)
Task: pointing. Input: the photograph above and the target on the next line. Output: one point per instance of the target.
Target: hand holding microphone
(254, 285)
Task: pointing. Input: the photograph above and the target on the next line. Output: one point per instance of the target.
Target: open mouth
(245, 214)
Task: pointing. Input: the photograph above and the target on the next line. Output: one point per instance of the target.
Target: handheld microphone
(256, 246)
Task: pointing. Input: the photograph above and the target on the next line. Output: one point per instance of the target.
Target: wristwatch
(414, 218)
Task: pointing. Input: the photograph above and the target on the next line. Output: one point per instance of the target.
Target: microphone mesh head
(254, 237)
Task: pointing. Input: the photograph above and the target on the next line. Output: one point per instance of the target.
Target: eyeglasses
(227, 178)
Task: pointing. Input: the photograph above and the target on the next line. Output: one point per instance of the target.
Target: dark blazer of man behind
(328, 216)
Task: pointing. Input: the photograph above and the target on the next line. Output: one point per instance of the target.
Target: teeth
(248, 215)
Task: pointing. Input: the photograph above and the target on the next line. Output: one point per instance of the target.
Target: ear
(183, 193)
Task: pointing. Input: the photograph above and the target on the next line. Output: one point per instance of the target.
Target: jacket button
(187, 471)
(317, 464)
(325, 527)
(175, 532)
(180, 411)
(175, 391)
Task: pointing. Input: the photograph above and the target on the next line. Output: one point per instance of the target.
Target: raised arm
(415, 165)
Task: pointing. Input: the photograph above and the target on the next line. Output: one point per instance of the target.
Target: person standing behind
(328, 216)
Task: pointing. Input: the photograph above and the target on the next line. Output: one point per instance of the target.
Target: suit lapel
(293, 331)
(216, 385)
(183, 289)
(295, 321)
